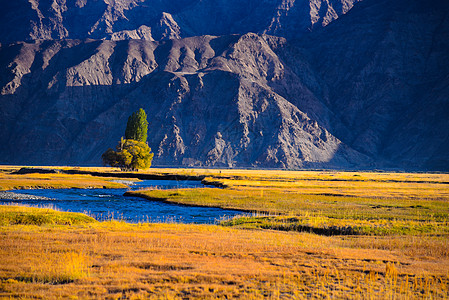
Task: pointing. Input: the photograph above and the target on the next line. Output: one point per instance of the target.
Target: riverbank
(325, 202)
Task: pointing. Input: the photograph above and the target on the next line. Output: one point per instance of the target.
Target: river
(108, 204)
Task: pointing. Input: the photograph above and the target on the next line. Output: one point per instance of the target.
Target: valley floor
(313, 235)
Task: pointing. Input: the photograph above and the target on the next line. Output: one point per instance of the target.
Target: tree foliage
(133, 152)
(131, 155)
(137, 127)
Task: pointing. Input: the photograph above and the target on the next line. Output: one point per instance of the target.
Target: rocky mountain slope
(161, 19)
(211, 101)
(368, 90)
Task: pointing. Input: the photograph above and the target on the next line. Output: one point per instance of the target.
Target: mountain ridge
(159, 20)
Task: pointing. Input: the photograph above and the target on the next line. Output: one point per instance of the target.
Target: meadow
(303, 234)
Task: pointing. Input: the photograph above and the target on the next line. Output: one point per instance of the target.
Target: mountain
(211, 101)
(281, 84)
(23, 20)
(388, 80)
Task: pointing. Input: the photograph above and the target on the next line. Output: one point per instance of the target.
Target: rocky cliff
(368, 87)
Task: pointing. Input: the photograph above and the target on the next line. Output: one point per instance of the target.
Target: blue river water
(108, 204)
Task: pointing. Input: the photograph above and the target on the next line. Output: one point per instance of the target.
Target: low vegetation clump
(22, 215)
(56, 268)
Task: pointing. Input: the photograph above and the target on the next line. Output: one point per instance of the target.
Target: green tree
(131, 155)
(137, 127)
(133, 152)
(111, 158)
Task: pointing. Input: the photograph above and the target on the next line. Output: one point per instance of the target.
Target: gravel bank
(16, 196)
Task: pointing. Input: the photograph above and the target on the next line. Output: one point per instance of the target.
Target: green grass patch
(294, 203)
(330, 226)
(321, 214)
(21, 215)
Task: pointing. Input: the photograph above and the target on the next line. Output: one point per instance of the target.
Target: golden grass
(373, 189)
(292, 176)
(56, 268)
(173, 261)
(54, 181)
(270, 175)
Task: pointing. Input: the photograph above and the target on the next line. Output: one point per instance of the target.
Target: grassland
(312, 235)
(326, 202)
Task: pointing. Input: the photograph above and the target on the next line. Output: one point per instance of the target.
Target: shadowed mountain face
(388, 80)
(368, 90)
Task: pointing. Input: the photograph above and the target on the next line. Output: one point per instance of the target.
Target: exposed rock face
(368, 90)
(211, 101)
(156, 20)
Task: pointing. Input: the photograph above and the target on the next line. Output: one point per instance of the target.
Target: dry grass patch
(372, 189)
(114, 260)
(54, 181)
